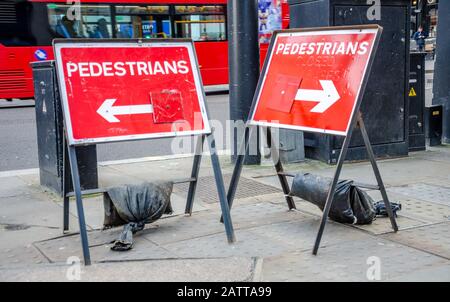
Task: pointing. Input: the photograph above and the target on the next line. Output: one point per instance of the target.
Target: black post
(243, 55)
(441, 86)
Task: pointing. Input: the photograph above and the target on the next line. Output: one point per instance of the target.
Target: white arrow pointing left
(326, 97)
(108, 111)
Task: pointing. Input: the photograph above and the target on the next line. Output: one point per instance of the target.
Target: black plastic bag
(362, 206)
(135, 206)
(350, 204)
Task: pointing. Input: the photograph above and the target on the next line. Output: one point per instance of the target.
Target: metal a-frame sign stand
(356, 121)
(193, 180)
(78, 193)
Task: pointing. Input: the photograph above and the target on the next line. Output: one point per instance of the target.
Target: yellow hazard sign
(412, 92)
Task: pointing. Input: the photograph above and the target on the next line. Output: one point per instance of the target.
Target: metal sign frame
(355, 121)
(207, 134)
(58, 44)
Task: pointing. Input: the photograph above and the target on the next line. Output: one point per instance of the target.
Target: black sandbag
(135, 206)
(315, 189)
(350, 204)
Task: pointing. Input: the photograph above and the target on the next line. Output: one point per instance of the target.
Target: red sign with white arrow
(312, 79)
(114, 91)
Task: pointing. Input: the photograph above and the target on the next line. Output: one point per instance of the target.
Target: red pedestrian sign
(312, 79)
(127, 90)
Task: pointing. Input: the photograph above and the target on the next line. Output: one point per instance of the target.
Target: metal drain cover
(207, 192)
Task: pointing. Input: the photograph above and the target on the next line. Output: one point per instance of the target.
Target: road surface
(18, 137)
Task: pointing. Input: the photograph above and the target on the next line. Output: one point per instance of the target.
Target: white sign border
(337, 31)
(60, 44)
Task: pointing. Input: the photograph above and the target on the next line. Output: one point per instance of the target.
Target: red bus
(27, 28)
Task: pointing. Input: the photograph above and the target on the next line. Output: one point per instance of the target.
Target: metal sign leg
(80, 211)
(65, 190)
(194, 175)
(221, 190)
(279, 168)
(243, 149)
(376, 171)
(66, 212)
(332, 190)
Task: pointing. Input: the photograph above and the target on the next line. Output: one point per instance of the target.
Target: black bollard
(243, 55)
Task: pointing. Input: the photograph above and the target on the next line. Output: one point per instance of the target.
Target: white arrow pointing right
(326, 97)
(108, 111)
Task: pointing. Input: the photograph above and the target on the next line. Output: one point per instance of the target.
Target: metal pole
(279, 168)
(376, 171)
(332, 190)
(441, 88)
(80, 211)
(243, 57)
(194, 174)
(238, 167)
(221, 190)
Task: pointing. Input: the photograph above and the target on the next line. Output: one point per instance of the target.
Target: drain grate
(425, 192)
(207, 192)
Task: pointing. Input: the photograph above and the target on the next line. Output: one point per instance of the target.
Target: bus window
(150, 21)
(94, 21)
(200, 23)
(15, 23)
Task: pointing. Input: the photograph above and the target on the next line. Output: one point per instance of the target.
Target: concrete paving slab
(21, 255)
(427, 212)
(60, 249)
(434, 239)
(93, 211)
(395, 172)
(438, 181)
(382, 225)
(32, 180)
(14, 186)
(167, 169)
(248, 244)
(264, 213)
(27, 235)
(301, 234)
(350, 262)
(31, 211)
(432, 273)
(264, 241)
(186, 270)
(109, 177)
(431, 193)
(179, 204)
(180, 228)
(440, 154)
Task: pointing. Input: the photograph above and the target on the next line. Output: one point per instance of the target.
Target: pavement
(273, 243)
